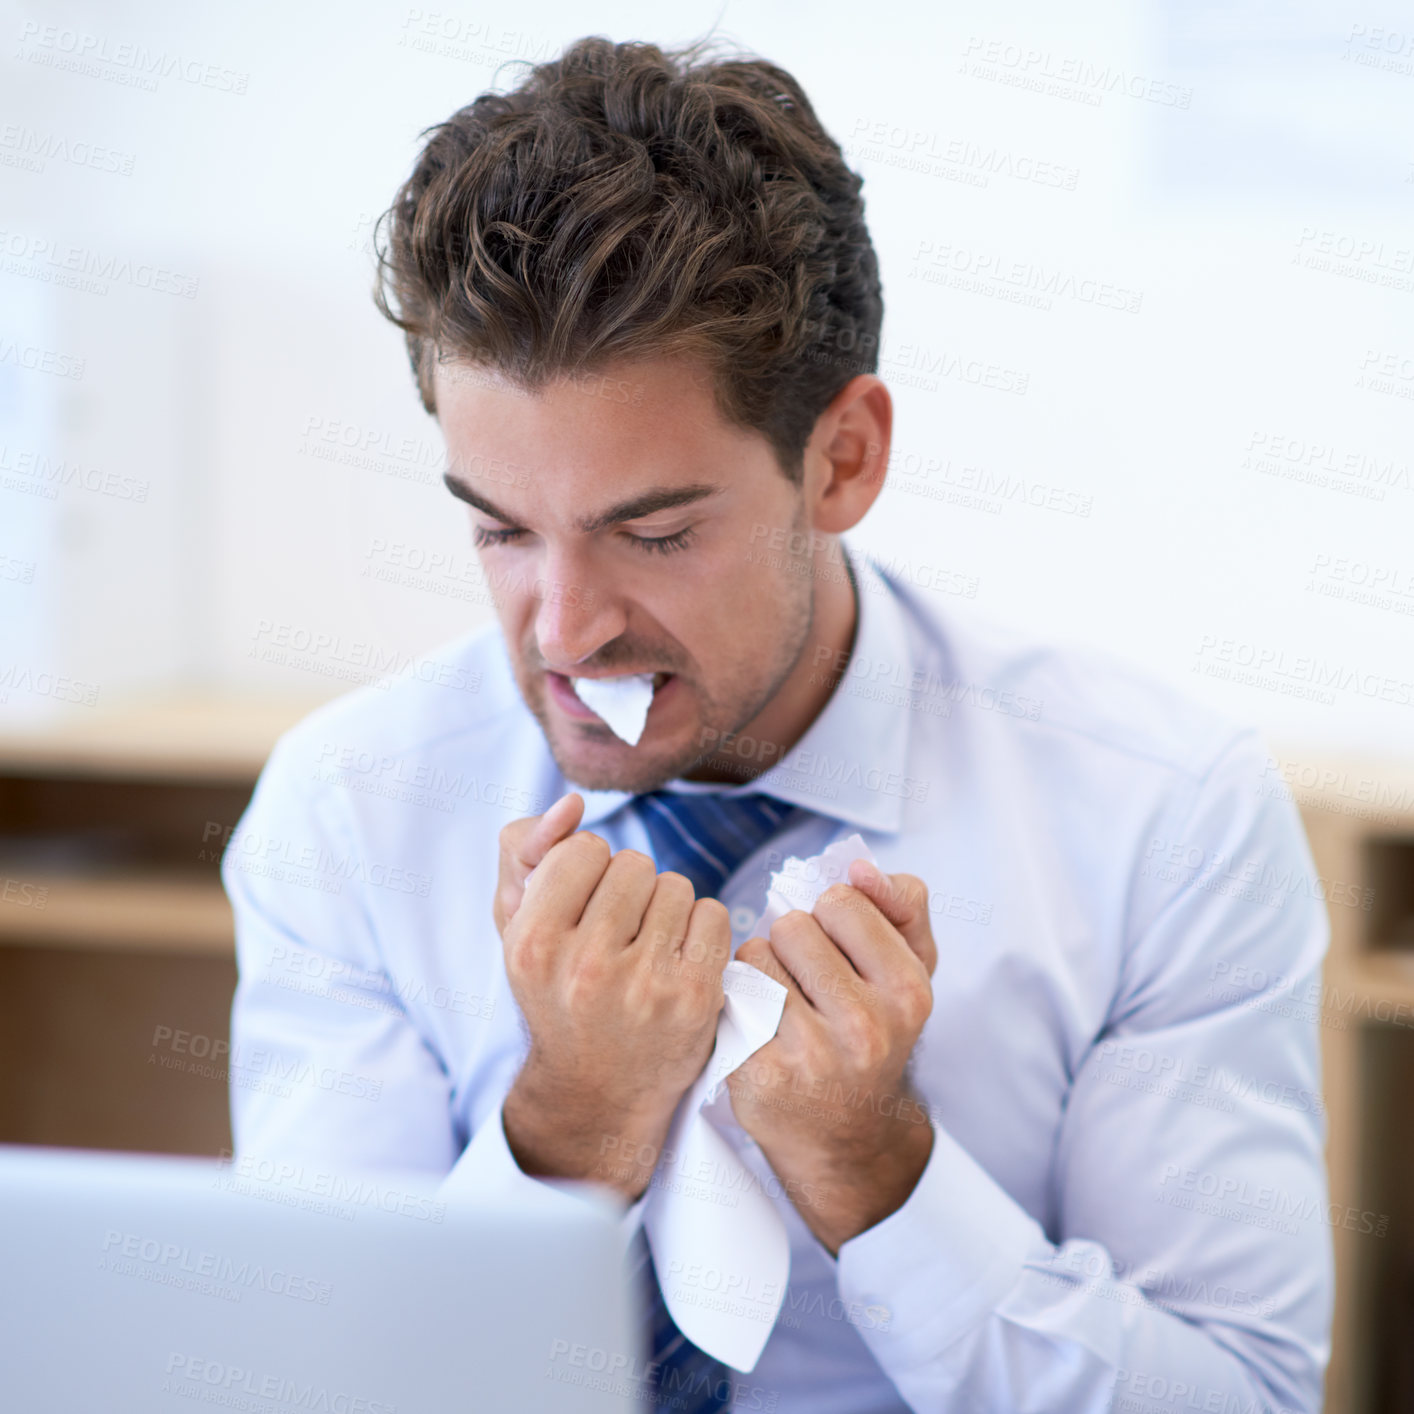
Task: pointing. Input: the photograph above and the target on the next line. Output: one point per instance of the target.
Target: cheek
(516, 613)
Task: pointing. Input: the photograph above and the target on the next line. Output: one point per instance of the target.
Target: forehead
(659, 414)
(613, 397)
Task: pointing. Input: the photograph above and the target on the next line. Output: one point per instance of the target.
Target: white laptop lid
(135, 1284)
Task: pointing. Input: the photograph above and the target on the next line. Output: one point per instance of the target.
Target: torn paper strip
(708, 1210)
(690, 1225)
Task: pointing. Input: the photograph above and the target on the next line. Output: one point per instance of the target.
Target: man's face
(625, 527)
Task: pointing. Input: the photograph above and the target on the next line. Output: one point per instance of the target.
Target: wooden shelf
(1359, 819)
(1385, 976)
(193, 737)
(151, 911)
(141, 778)
(107, 818)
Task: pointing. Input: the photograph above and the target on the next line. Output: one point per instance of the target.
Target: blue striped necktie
(707, 835)
(704, 836)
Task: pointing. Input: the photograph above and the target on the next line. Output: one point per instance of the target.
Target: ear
(848, 454)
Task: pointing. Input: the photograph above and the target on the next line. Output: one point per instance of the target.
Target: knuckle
(713, 912)
(865, 1041)
(524, 949)
(919, 999)
(763, 960)
(791, 924)
(708, 998)
(753, 952)
(640, 986)
(911, 885)
(671, 882)
(659, 935)
(586, 973)
(514, 953)
(913, 892)
(589, 843)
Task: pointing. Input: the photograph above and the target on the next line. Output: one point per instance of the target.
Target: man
(1031, 1149)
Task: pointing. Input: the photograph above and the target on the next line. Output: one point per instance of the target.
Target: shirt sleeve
(326, 1065)
(1192, 1265)
(487, 1168)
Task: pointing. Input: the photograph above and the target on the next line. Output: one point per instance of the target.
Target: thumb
(524, 843)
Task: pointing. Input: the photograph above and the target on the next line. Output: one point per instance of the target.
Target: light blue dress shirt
(1125, 1206)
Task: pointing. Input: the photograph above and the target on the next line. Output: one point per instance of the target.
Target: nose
(576, 618)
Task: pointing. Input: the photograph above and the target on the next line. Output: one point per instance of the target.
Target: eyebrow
(657, 498)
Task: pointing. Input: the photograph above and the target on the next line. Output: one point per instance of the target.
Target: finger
(824, 975)
(861, 933)
(559, 894)
(524, 844)
(707, 944)
(616, 907)
(903, 900)
(758, 953)
(797, 1012)
(666, 917)
(876, 950)
(561, 819)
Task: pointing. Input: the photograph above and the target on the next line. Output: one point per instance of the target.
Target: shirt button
(879, 1316)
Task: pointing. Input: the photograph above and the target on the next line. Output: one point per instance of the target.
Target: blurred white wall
(1149, 276)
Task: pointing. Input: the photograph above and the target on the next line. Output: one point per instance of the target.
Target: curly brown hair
(627, 202)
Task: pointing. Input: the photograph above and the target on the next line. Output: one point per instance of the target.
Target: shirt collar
(851, 762)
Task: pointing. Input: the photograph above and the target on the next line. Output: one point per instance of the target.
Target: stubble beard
(720, 715)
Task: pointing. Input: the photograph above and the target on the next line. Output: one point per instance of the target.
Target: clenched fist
(827, 1098)
(617, 970)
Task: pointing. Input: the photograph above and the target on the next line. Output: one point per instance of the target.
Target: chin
(615, 765)
(635, 779)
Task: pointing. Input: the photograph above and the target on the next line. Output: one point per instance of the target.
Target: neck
(809, 686)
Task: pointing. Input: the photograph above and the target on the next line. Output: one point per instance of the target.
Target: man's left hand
(826, 1098)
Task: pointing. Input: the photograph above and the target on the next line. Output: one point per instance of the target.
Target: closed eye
(661, 544)
(664, 544)
(480, 537)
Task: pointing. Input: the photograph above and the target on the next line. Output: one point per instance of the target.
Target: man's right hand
(617, 970)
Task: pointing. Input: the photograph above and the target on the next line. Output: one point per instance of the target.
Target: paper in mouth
(622, 703)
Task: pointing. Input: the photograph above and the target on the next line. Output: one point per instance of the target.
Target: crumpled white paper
(719, 1246)
(799, 882)
(621, 703)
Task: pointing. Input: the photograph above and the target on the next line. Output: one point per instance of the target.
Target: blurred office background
(1149, 280)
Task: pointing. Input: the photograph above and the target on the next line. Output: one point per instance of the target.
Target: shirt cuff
(938, 1266)
(487, 1169)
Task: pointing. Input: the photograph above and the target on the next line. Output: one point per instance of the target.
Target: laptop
(139, 1284)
